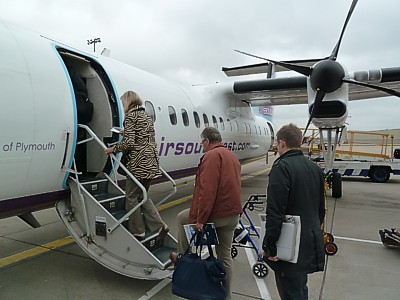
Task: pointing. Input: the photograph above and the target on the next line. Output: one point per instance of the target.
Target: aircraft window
(247, 127)
(222, 123)
(215, 122)
(265, 131)
(205, 119)
(172, 115)
(185, 117)
(196, 119)
(230, 123)
(255, 128)
(150, 110)
(259, 129)
(237, 126)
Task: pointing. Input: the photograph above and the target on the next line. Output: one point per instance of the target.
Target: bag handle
(199, 242)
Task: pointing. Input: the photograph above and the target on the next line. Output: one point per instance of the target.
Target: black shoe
(163, 231)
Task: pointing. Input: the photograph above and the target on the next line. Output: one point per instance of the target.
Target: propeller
(327, 75)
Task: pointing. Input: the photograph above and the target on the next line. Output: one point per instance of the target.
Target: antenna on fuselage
(93, 41)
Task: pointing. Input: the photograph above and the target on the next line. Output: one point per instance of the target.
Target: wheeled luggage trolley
(390, 237)
(244, 234)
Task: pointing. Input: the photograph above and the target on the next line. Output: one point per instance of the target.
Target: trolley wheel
(260, 269)
(251, 207)
(234, 252)
(328, 237)
(331, 248)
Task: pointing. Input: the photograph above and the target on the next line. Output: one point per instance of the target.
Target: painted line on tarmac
(68, 240)
(188, 198)
(155, 290)
(174, 203)
(35, 251)
(262, 287)
(357, 240)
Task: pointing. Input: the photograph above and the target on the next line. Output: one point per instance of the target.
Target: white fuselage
(39, 116)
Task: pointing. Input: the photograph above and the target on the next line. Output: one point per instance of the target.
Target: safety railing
(115, 162)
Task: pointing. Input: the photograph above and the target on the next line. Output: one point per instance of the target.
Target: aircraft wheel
(379, 174)
(234, 252)
(331, 248)
(337, 185)
(260, 269)
(328, 237)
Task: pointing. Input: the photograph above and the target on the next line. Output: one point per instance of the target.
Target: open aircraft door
(95, 214)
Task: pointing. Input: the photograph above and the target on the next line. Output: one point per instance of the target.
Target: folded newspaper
(289, 239)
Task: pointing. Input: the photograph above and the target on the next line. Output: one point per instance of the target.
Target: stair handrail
(128, 173)
(173, 186)
(81, 199)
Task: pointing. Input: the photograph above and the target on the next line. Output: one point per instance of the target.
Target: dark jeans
(292, 286)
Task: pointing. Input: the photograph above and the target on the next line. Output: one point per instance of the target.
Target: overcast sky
(189, 41)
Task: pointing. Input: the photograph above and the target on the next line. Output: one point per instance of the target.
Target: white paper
(289, 239)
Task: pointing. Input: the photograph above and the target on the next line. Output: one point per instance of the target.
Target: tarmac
(46, 264)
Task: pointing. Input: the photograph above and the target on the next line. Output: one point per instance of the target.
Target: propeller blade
(308, 124)
(373, 86)
(335, 51)
(317, 102)
(299, 69)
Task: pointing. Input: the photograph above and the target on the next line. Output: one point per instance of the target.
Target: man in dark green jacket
(296, 187)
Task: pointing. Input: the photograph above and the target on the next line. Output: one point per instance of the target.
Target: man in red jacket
(216, 198)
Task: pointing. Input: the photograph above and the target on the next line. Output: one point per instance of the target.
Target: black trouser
(292, 286)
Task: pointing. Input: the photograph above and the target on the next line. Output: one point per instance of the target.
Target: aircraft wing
(273, 91)
(293, 90)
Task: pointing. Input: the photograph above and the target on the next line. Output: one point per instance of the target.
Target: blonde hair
(130, 99)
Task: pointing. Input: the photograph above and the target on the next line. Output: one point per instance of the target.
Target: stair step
(98, 180)
(163, 253)
(96, 187)
(115, 204)
(108, 197)
(150, 237)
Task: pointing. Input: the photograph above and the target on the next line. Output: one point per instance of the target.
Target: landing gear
(336, 182)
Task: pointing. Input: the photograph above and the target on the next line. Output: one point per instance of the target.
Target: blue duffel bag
(199, 279)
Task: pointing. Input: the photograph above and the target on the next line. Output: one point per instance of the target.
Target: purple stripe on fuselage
(17, 206)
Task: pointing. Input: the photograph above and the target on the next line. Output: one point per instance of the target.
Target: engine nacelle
(332, 112)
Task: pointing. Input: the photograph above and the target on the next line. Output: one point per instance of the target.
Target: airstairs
(96, 218)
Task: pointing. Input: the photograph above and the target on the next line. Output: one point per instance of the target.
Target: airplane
(63, 102)
(60, 107)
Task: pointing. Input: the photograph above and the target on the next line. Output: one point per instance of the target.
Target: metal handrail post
(173, 185)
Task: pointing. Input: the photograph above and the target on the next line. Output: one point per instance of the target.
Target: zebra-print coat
(138, 141)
